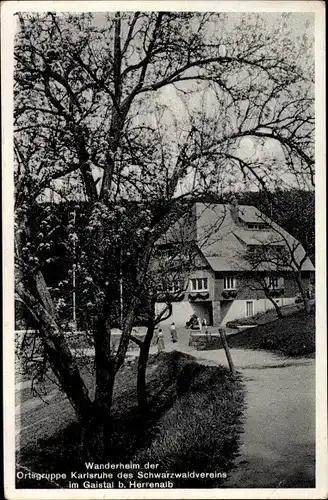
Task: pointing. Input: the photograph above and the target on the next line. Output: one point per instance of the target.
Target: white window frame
(256, 226)
(226, 284)
(175, 287)
(196, 288)
(249, 302)
(274, 283)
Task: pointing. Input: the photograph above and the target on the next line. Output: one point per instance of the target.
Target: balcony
(229, 294)
(198, 296)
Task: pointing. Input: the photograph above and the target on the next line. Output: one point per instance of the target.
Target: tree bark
(275, 305)
(302, 290)
(142, 365)
(97, 431)
(58, 354)
(227, 352)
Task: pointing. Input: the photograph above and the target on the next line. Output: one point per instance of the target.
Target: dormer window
(176, 287)
(254, 249)
(257, 226)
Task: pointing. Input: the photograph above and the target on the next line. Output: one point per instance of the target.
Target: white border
(7, 28)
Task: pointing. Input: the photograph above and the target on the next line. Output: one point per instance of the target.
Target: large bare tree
(86, 90)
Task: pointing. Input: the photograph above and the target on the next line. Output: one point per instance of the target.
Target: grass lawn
(194, 424)
(292, 336)
(269, 315)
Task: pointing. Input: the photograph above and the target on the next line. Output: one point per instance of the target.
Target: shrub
(242, 321)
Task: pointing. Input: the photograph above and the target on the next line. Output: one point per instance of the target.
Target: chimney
(234, 210)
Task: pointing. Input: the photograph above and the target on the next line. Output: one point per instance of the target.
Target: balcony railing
(198, 296)
(229, 294)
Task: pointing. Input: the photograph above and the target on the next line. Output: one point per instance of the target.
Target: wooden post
(227, 351)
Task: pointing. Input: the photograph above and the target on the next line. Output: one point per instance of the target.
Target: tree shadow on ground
(172, 377)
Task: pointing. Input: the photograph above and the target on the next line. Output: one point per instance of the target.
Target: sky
(298, 25)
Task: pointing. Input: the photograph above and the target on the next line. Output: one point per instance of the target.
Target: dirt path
(278, 443)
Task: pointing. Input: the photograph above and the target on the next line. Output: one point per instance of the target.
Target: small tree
(260, 281)
(278, 252)
(167, 281)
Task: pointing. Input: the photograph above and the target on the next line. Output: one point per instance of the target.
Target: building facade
(244, 261)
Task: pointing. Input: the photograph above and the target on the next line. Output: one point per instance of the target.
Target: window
(229, 283)
(280, 250)
(254, 249)
(171, 287)
(274, 282)
(175, 287)
(257, 226)
(198, 284)
(249, 308)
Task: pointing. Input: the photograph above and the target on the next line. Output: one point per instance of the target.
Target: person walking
(160, 341)
(199, 323)
(174, 335)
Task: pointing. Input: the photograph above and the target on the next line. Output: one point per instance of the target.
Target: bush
(242, 321)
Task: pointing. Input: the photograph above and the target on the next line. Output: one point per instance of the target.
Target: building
(243, 262)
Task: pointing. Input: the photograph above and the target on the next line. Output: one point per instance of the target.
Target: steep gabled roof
(224, 243)
(258, 237)
(250, 214)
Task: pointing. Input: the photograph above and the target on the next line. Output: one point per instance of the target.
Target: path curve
(277, 447)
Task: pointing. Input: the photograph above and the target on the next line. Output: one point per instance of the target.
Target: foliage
(239, 322)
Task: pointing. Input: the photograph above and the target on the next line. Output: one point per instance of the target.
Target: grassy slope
(200, 431)
(268, 316)
(194, 423)
(292, 336)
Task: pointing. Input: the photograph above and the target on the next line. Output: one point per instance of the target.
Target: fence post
(227, 351)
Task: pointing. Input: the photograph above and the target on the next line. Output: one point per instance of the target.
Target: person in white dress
(160, 341)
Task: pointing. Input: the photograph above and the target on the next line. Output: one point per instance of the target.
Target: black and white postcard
(164, 249)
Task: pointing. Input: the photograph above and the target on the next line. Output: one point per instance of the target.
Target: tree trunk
(58, 354)
(275, 305)
(142, 365)
(97, 429)
(304, 296)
